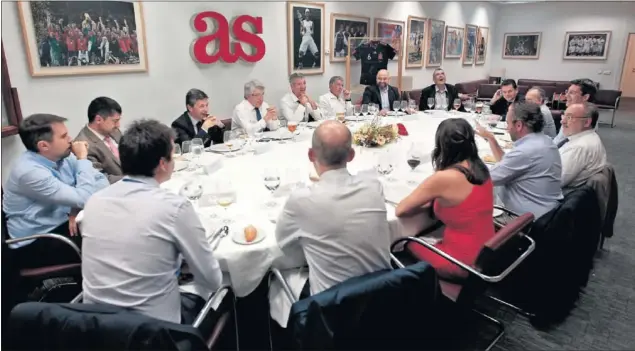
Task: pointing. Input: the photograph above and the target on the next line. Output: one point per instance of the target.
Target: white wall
(553, 20)
(160, 93)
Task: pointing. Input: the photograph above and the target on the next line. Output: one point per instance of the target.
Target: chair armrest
(78, 298)
(217, 297)
(617, 102)
(285, 286)
(487, 278)
(66, 240)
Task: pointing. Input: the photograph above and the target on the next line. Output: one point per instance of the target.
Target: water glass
(413, 105)
(283, 126)
(186, 148)
(456, 104)
(229, 138)
(225, 196)
(385, 165)
(271, 179)
(396, 105)
(404, 105)
(358, 110)
(197, 151)
(364, 109)
(431, 102)
(176, 151)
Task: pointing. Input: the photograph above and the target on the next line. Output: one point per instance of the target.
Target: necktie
(111, 146)
(258, 115)
(199, 125)
(564, 141)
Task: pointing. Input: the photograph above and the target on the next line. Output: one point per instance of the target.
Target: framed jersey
(346, 30)
(305, 31)
(374, 56)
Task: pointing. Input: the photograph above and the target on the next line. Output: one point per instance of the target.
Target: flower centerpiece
(374, 134)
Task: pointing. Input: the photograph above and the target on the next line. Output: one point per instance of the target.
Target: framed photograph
(11, 112)
(391, 33)
(83, 37)
(482, 41)
(436, 31)
(469, 44)
(346, 31)
(415, 42)
(305, 30)
(453, 42)
(522, 45)
(593, 45)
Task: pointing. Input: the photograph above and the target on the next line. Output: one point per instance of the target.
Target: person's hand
(497, 95)
(313, 103)
(80, 149)
(479, 130)
(72, 225)
(303, 100)
(383, 112)
(271, 115)
(208, 122)
(347, 94)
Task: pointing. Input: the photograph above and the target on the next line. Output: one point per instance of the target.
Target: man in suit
(354, 240)
(504, 97)
(195, 122)
(102, 135)
(382, 94)
(443, 94)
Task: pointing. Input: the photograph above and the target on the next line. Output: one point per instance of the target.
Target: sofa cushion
(486, 91)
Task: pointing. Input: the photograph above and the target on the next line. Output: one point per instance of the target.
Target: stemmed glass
(385, 165)
(197, 151)
(396, 105)
(430, 102)
(414, 160)
(283, 126)
(469, 105)
(365, 109)
(456, 104)
(404, 105)
(271, 178)
(479, 107)
(187, 154)
(444, 104)
(358, 110)
(229, 140)
(225, 196)
(292, 126)
(176, 151)
(192, 190)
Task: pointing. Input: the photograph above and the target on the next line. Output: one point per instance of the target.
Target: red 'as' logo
(226, 50)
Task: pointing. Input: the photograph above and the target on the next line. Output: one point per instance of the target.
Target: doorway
(628, 71)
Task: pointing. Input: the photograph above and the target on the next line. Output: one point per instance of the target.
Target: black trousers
(49, 252)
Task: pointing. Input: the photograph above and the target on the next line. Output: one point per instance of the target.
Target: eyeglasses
(568, 118)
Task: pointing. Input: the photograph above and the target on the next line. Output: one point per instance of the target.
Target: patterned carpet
(604, 318)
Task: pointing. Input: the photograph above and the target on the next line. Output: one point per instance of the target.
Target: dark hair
(143, 145)
(36, 128)
(587, 86)
(103, 106)
(454, 143)
(530, 114)
(194, 95)
(507, 82)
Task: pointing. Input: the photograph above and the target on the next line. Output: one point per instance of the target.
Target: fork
(224, 231)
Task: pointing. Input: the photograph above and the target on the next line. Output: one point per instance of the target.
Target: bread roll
(250, 233)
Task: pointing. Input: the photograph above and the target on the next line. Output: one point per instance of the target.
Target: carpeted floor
(605, 316)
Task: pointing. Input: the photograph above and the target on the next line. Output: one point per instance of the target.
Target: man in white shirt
(297, 106)
(537, 96)
(582, 151)
(337, 99)
(581, 90)
(339, 223)
(134, 234)
(253, 113)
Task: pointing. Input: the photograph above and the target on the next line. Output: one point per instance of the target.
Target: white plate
(358, 118)
(238, 235)
(497, 212)
(396, 113)
(236, 145)
(314, 124)
(180, 165)
(280, 134)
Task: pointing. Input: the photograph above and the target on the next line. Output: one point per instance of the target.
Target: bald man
(537, 95)
(382, 94)
(339, 223)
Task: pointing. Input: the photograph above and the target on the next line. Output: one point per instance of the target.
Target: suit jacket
(430, 92)
(605, 185)
(100, 155)
(185, 131)
(372, 95)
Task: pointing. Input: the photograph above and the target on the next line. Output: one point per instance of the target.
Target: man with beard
(383, 94)
(51, 179)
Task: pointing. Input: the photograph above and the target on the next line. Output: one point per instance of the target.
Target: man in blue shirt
(49, 181)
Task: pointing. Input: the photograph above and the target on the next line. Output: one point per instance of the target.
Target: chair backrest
(607, 97)
(486, 91)
(415, 95)
(522, 90)
(47, 326)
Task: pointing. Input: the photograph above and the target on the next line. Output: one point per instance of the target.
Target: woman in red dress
(462, 195)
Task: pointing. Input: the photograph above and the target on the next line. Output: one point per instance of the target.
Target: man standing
(196, 122)
(338, 98)
(49, 180)
(297, 106)
(253, 113)
(582, 151)
(537, 96)
(444, 94)
(383, 94)
(505, 96)
(102, 135)
(527, 177)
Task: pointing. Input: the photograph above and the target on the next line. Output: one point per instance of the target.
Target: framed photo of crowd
(305, 44)
(83, 37)
(521, 45)
(346, 31)
(592, 45)
(415, 42)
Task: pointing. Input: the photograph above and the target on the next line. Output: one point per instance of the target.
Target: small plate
(236, 145)
(238, 235)
(497, 212)
(358, 118)
(180, 165)
(314, 124)
(396, 113)
(280, 134)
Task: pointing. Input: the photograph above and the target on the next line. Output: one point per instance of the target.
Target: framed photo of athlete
(592, 45)
(305, 30)
(83, 37)
(521, 45)
(453, 47)
(436, 33)
(390, 32)
(469, 48)
(347, 30)
(482, 41)
(415, 41)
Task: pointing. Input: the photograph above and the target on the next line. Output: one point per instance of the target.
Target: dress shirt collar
(45, 161)
(335, 174)
(333, 96)
(384, 89)
(98, 134)
(194, 121)
(436, 88)
(527, 138)
(140, 179)
(581, 134)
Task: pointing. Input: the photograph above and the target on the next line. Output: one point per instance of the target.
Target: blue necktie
(258, 115)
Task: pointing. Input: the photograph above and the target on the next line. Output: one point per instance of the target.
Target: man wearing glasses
(581, 90)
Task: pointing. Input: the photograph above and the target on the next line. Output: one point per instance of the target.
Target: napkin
(402, 129)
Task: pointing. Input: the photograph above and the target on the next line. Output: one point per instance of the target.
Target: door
(628, 74)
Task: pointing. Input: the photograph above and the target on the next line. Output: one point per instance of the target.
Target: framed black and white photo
(592, 45)
(347, 31)
(521, 45)
(305, 30)
(436, 34)
(83, 37)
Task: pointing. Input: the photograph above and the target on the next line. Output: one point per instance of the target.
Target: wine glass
(444, 104)
(229, 140)
(364, 109)
(225, 196)
(271, 178)
(469, 105)
(292, 126)
(404, 105)
(479, 107)
(414, 160)
(358, 110)
(283, 126)
(192, 190)
(197, 151)
(385, 165)
(456, 104)
(430, 102)
(396, 105)
(186, 146)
